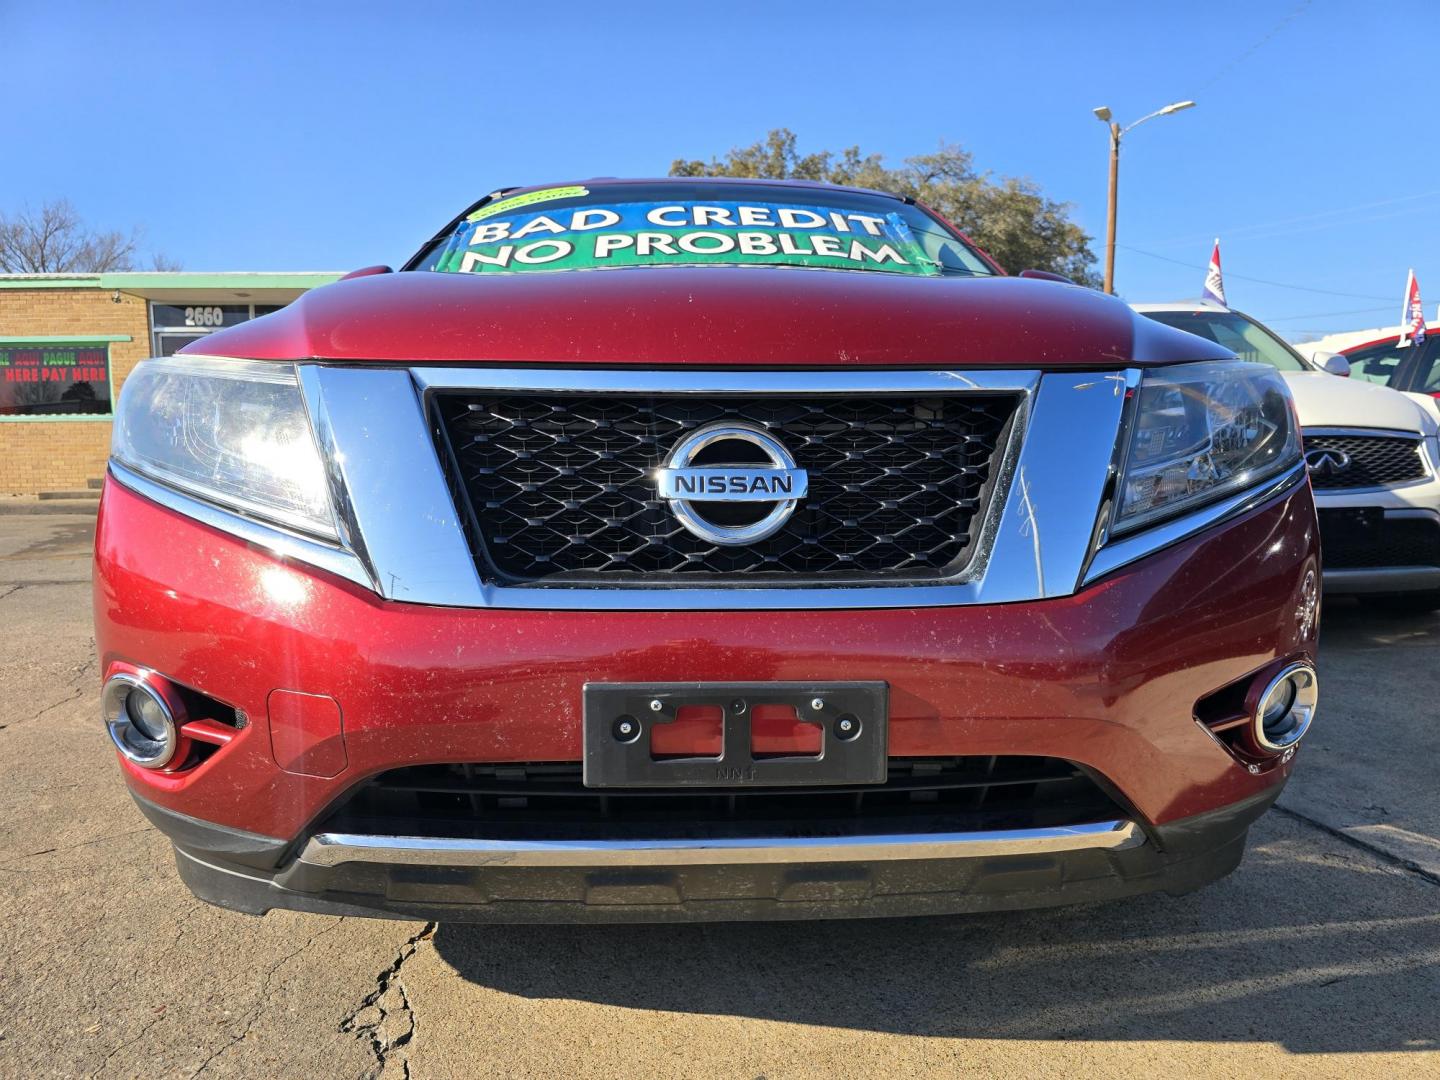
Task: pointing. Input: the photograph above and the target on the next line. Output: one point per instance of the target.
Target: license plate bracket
(853, 720)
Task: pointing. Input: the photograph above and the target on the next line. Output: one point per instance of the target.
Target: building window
(44, 379)
(173, 326)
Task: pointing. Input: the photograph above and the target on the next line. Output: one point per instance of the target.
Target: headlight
(1199, 432)
(234, 432)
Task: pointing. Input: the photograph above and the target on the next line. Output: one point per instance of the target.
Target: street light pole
(1110, 214)
(1116, 134)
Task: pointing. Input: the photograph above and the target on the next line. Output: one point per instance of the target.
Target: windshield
(1385, 364)
(1243, 336)
(704, 223)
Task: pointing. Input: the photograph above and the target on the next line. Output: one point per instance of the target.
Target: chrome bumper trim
(333, 849)
(1380, 579)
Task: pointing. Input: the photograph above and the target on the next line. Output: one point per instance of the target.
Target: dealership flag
(1214, 283)
(1412, 315)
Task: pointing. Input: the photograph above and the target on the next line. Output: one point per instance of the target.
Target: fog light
(1277, 706)
(142, 724)
(147, 714)
(1286, 708)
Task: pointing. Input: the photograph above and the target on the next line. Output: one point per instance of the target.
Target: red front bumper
(1107, 678)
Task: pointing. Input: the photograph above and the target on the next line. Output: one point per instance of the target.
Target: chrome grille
(1375, 461)
(561, 485)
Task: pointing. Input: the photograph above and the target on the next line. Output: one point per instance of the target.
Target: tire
(1414, 603)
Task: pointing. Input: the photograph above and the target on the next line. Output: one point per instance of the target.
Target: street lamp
(1116, 134)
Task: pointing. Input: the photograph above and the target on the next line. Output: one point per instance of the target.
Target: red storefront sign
(54, 380)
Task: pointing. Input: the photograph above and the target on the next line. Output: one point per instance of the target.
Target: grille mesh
(1375, 461)
(561, 485)
(1392, 542)
(549, 800)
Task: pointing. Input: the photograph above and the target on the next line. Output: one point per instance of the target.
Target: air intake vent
(533, 801)
(1353, 540)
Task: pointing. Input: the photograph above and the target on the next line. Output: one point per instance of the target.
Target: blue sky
(310, 135)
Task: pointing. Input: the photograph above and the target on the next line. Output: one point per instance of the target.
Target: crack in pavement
(144, 1029)
(128, 976)
(264, 995)
(76, 696)
(1380, 853)
(89, 843)
(373, 1027)
(79, 693)
(42, 583)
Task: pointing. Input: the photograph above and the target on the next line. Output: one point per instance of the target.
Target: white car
(1374, 458)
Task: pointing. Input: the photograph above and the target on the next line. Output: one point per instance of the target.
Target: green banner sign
(657, 234)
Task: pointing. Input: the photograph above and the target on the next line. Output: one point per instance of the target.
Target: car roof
(1184, 305)
(1388, 339)
(738, 181)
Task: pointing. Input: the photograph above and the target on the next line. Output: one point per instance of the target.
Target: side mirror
(366, 271)
(1045, 275)
(1334, 363)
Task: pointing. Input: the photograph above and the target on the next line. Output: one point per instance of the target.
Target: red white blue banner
(1214, 283)
(1412, 314)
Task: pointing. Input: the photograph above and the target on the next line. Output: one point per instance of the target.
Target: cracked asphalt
(1319, 957)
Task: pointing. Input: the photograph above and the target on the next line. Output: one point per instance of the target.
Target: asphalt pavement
(1319, 957)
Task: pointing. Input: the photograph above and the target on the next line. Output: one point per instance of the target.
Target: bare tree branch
(54, 240)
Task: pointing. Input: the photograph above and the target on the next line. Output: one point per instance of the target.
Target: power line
(1328, 314)
(1259, 281)
(1253, 49)
(1339, 223)
(1244, 231)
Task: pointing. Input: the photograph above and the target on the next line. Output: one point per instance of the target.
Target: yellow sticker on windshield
(517, 201)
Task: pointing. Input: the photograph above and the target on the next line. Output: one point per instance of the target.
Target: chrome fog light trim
(1286, 708)
(129, 737)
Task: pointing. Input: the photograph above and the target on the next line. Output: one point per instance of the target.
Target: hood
(721, 316)
(1427, 402)
(1331, 401)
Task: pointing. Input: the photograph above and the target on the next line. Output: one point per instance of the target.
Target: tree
(1009, 217)
(54, 240)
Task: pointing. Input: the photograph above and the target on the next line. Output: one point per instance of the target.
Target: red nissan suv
(703, 549)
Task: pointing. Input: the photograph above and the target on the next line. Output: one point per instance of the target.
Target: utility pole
(1116, 134)
(1110, 213)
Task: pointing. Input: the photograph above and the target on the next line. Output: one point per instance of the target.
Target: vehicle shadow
(1310, 945)
(1350, 625)
(66, 538)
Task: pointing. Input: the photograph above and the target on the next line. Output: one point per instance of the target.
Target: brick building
(67, 341)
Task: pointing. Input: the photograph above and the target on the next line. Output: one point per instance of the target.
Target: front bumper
(1404, 556)
(1400, 549)
(775, 878)
(1106, 678)
(1381, 580)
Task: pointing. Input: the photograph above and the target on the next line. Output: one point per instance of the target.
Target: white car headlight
(234, 432)
(1200, 432)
